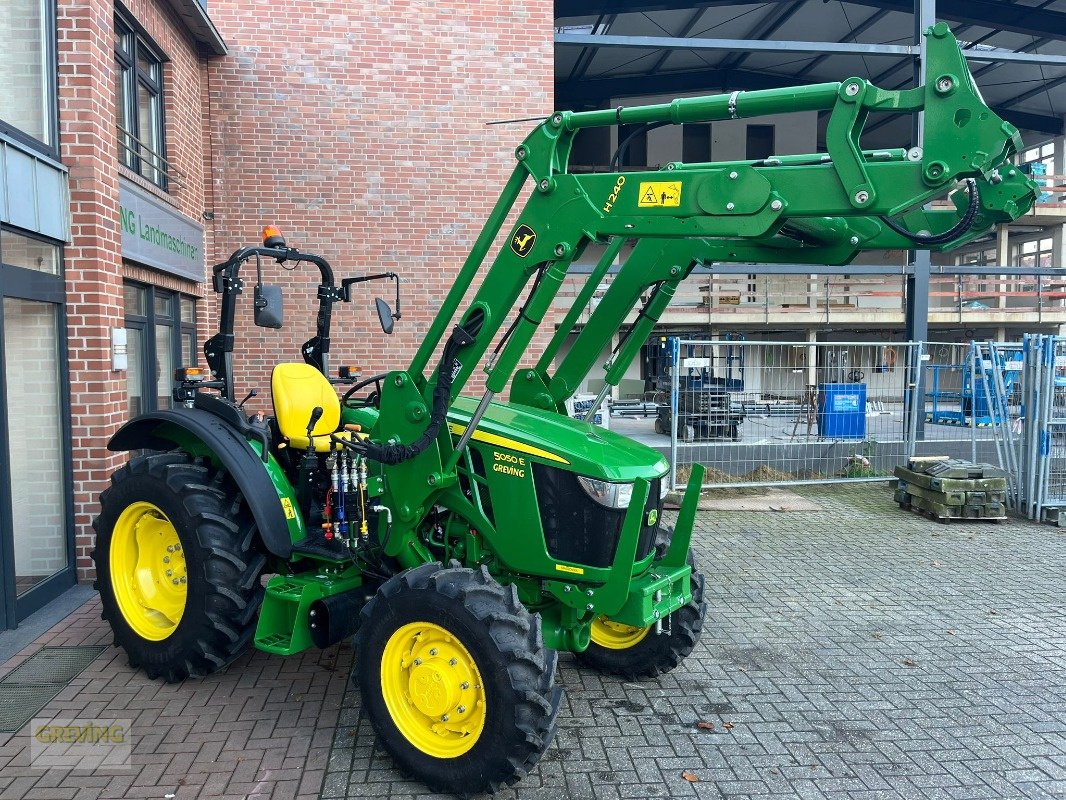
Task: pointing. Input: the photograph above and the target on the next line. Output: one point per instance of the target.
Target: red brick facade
(359, 129)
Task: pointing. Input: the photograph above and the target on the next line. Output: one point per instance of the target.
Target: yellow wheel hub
(615, 635)
(148, 573)
(433, 690)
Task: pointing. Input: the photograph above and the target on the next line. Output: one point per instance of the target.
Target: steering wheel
(364, 402)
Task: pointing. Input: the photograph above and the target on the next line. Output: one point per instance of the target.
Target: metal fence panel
(771, 413)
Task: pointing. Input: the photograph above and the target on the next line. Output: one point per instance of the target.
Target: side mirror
(384, 315)
(269, 306)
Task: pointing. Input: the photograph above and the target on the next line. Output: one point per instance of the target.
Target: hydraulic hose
(956, 230)
(447, 369)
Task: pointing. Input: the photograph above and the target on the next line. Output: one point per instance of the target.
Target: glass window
(35, 430)
(164, 305)
(139, 105)
(136, 300)
(164, 365)
(135, 370)
(26, 100)
(161, 336)
(22, 251)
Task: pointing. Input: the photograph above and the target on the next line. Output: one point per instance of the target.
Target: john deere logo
(653, 517)
(523, 240)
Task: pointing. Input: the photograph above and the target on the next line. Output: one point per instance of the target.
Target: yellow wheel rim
(433, 690)
(148, 573)
(615, 635)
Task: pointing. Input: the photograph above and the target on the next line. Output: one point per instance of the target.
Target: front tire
(637, 653)
(177, 567)
(455, 678)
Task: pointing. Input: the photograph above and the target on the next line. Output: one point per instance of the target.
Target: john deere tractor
(463, 542)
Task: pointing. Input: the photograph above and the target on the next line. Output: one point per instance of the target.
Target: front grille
(580, 530)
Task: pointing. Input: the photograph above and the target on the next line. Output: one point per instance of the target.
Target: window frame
(147, 324)
(134, 81)
(51, 87)
(41, 287)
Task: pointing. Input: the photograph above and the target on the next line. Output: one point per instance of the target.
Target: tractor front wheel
(455, 678)
(177, 567)
(635, 653)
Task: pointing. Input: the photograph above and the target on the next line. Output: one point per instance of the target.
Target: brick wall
(93, 258)
(360, 130)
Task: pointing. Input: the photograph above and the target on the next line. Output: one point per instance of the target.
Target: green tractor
(464, 542)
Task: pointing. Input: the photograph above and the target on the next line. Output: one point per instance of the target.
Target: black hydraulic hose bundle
(447, 369)
(956, 230)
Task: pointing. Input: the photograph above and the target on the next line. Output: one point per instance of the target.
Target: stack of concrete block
(947, 489)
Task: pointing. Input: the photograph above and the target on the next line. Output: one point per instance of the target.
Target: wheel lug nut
(175, 581)
(184, 579)
(170, 572)
(461, 709)
(433, 651)
(418, 662)
(464, 685)
(170, 548)
(177, 548)
(453, 661)
(444, 718)
(166, 559)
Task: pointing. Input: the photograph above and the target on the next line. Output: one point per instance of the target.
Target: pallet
(993, 512)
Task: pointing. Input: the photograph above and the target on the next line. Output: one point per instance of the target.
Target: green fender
(203, 433)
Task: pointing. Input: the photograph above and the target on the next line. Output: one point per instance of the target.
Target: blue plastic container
(842, 410)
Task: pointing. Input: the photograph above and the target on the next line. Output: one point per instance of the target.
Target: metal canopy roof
(608, 50)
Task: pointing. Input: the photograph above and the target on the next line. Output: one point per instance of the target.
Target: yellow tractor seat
(297, 390)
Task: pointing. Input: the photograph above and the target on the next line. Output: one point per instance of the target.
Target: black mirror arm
(347, 283)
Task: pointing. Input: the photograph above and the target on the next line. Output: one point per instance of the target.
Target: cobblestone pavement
(856, 652)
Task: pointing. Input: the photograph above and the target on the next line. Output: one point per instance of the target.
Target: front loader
(464, 541)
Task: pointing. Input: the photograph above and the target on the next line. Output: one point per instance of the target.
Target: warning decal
(659, 194)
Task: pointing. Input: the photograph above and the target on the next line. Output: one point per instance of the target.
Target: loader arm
(817, 209)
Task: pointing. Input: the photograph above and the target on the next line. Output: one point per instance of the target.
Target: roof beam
(600, 90)
(858, 31)
(607, 90)
(984, 13)
(764, 29)
(585, 57)
(749, 46)
(686, 29)
(1026, 120)
(732, 45)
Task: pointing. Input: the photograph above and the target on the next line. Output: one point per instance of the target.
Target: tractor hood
(560, 441)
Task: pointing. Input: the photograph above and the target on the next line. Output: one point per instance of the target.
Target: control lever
(316, 415)
(249, 396)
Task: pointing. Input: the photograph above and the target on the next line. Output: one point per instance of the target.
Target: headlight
(611, 495)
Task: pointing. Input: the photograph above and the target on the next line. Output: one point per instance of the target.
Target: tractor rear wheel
(455, 678)
(635, 653)
(177, 566)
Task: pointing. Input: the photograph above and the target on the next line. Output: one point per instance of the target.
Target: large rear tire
(455, 678)
(177, 566)
(636, 653)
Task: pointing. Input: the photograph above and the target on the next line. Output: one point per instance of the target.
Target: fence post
(974, 355)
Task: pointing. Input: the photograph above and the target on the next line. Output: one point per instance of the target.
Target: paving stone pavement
(857, 652)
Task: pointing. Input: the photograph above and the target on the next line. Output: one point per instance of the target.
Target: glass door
(36, 520)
